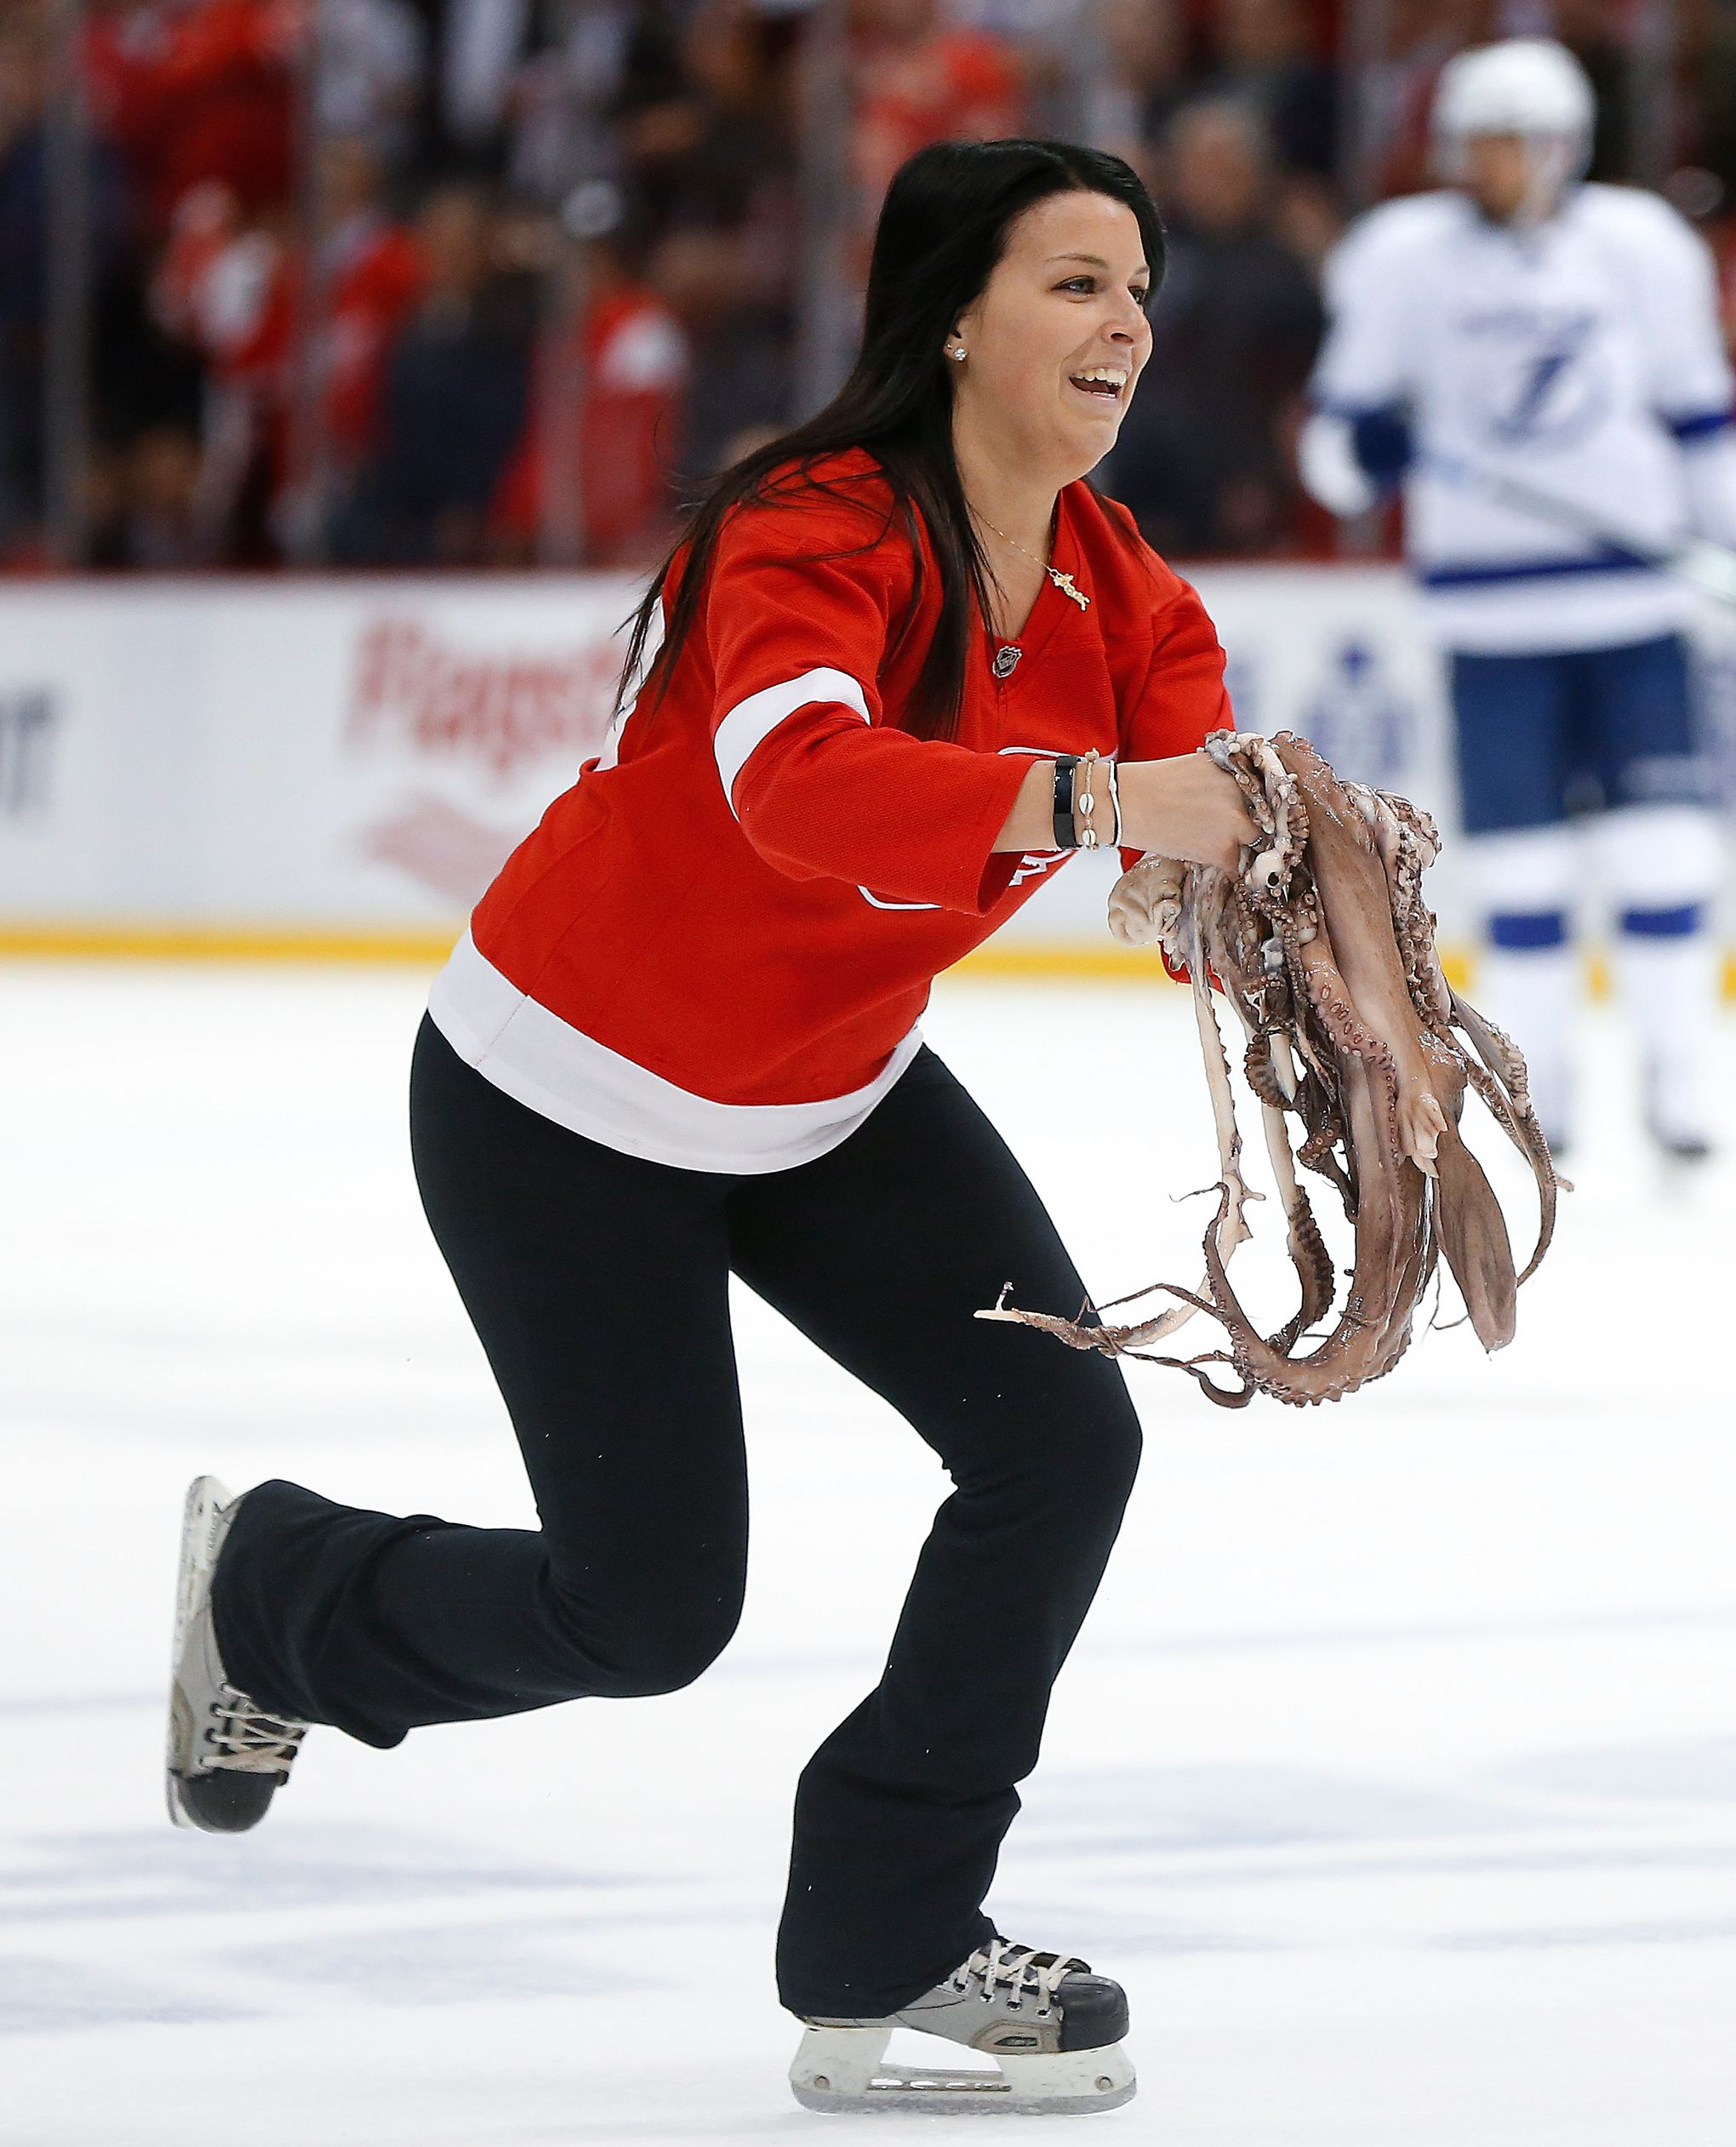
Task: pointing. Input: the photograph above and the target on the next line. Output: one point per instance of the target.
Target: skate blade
(1684, 1181)
(842, 2070)
(175, 1795)
(206, 1496)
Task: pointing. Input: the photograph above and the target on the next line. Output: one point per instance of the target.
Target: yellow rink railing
(1022, 960)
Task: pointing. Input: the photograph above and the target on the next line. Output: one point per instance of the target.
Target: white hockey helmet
(1527, 86)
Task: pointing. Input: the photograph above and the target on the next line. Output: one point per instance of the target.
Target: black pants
(598, 1284)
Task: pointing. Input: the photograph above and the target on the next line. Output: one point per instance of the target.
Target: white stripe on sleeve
(751, 721)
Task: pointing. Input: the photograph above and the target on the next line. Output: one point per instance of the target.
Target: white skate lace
(246, 1740)
(1020, 1971)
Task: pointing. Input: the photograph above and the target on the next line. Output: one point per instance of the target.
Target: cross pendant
(1065, 584)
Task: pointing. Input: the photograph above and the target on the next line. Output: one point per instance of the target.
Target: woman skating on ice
(678, 1042)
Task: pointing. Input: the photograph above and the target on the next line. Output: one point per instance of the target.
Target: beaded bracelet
(1084, 804)
(1074, 801)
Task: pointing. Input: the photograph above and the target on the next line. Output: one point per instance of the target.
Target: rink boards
(338, 765)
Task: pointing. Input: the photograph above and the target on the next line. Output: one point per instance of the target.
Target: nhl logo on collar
(1007, 659)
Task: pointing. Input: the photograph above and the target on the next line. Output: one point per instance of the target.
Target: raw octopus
(1322, 945)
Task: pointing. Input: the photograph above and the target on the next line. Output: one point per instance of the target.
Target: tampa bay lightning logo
(1535, 375)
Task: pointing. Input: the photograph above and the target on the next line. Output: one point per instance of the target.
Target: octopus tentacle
(1323, 944)
(1505, 1089)
(1306, 1247)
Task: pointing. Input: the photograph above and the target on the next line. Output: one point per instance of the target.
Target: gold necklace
(1062, 582)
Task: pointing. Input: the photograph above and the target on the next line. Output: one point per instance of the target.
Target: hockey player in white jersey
(1537, 362)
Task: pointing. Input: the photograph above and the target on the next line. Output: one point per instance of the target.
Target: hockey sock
(1667, 961)
(1528, 985)
(1661, 865)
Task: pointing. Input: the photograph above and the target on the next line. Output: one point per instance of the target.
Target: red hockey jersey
(714, 950)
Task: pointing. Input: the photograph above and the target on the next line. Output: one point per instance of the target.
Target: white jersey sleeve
(1670, 269)
(1692, 387)
(1367, 363)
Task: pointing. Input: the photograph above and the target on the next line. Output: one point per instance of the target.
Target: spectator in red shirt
(372, 273)
(631, 365)
(918, 81)
(236, 291)
(204, 90)
(222, 287)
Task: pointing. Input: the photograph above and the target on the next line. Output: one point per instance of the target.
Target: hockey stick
(1697, 561)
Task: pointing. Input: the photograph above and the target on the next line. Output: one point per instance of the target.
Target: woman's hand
(1186, 809)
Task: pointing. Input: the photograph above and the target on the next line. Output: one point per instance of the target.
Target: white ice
(1395, 1775)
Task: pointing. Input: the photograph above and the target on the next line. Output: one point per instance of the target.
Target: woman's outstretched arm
(1186, 807)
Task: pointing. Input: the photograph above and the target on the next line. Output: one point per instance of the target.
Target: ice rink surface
(1395, 1775)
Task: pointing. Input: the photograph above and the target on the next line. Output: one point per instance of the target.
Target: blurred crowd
(464, 283)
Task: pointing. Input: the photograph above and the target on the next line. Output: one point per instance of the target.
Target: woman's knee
(636, 1652)
(1087, 1453)
(1109, 1442)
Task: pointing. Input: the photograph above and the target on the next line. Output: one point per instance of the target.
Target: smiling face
(1054, 346)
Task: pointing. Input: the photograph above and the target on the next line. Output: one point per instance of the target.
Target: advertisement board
(340, 755)
(342, 764)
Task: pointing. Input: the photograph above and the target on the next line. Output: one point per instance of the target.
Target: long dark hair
(942, 229)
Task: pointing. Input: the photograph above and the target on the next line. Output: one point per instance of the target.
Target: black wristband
(1066, 831)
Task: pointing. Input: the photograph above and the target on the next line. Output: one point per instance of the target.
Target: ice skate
(227, 1756)
(1681, 1150)
(1052, 2028)
(1676, 1126)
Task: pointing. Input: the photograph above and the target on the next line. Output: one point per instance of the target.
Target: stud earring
(959, 353)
